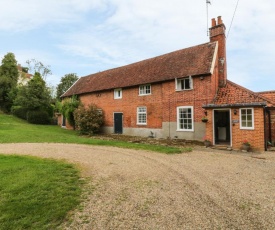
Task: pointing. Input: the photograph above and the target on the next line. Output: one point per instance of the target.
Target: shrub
(88, 120)
(67, 108)
(20, 112)
(38, 117)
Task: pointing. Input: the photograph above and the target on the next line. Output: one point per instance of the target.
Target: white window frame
(178, 118)
(179, 84)
(140, 113)
(144, 88)
(118, 93)
(241, 119)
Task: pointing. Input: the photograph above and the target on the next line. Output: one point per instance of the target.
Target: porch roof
(234, 95)
(239, 105)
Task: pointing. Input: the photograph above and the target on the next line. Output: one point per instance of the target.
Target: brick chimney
(217, 33)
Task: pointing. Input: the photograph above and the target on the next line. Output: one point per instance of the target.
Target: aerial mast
(207, 3)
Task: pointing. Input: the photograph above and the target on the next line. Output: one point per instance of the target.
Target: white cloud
(93, 35)
(18, 15)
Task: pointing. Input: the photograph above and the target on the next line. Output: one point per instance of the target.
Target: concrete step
(222, 147)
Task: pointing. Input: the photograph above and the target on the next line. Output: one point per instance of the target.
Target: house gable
(234, 95)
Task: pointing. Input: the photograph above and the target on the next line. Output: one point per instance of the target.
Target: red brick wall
(161, 104)
(255, 136)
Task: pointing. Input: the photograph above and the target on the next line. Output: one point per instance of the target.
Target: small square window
(144, 89)
(184, 83)
(117, 93)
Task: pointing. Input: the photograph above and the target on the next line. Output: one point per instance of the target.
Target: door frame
(115, 122)
(230, 125)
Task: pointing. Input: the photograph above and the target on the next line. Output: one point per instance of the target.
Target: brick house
(167, 97)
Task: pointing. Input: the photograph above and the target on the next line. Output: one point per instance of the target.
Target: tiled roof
(193, 61)
(268, 94)
(233, 94)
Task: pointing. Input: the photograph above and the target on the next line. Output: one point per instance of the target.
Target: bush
(20, 112)
(88, 120)
(67, 108)
(38, 117)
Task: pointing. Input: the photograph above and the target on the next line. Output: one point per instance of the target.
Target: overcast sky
(88, 36)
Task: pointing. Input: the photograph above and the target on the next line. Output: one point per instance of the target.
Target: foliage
(14, 130)
(8, 81)
(38, 117)
(34, 96)
(245, 142)
(65, 83)
(88, 120)
(19, 112)
(36, 193)
(35, 66)
(67, 108)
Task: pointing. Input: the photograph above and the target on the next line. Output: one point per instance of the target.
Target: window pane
(247, 118)
(141, 115)
(187, 83)
(185, 118)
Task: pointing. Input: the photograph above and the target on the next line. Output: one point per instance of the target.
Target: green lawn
(14, 130)
(36, 193)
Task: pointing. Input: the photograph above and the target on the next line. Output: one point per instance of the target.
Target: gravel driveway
(131, 189)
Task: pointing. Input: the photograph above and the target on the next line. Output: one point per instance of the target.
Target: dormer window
(184, 83)
(118, 93)
(144, 90)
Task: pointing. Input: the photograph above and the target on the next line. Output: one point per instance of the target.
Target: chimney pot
(213, 22)
(220, 20)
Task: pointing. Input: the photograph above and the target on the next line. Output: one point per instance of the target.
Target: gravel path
(131, 189)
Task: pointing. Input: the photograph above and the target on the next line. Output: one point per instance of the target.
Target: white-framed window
(247, 118)
(184, 83)
(144, 89)
(141, 115)
(118, 93)
(185, 121)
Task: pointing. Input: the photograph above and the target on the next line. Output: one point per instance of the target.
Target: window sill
(142, 124)
(185, 130)
(245, 128)
(180, 90)
(144, 94)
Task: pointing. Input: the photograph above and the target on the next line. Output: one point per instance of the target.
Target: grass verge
(15, 130)
(36, 193)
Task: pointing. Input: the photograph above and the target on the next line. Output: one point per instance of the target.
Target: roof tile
(193, 61)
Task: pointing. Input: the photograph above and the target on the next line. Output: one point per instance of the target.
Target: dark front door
(222, 128)
(118, 122)
(63, 120)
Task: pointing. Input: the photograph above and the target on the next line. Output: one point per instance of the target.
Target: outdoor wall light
(235, 111)
(205, 112)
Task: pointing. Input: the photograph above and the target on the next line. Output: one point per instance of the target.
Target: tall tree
(8, 81)
(35, 66)
(34, 96)
(65, 83)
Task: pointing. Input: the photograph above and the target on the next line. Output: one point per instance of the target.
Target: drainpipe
(265, 141)
(169, 115)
